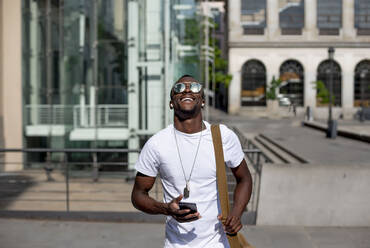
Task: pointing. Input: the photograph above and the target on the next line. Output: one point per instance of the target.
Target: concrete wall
(11, 78)
(314, 195)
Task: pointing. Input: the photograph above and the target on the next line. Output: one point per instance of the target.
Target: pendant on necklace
(186, 190)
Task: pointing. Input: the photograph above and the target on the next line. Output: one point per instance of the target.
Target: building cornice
(297, 44)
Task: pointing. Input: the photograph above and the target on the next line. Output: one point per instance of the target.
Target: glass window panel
(218, 18)
(362, 17)
(253, 84)
(292, 85)
(186, 23)
(112, 76)
(26, 54)
(58, 67)
(71, 29)
(362, 84)
(111, 17)
(189, 36)
(253, 14)
(291, 14)
(323, 74)
(329, 14)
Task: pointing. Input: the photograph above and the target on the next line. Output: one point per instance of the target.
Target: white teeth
(186, 98)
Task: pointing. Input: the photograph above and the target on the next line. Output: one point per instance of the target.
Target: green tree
(271, 89)
(192, 38)
(322, 95)
(221, 64)
(192, 32)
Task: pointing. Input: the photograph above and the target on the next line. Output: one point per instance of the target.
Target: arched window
(253, 84)
(291, 89)
(362, 84)
(323, 74)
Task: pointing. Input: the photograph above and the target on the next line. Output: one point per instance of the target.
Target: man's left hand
(232, 223)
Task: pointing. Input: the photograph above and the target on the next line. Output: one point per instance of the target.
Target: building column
(133, 81)
(235, 28)
(309, 87)
(154, 98)
(310, 16)
(272, 67)
(234, 87)
(348, 82)
(11, 80)
(348, 18)
(273, 29)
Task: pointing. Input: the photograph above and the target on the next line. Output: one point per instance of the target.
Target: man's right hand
(180, 215)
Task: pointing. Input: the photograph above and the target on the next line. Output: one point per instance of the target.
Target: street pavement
(62, 234)
(308, 143)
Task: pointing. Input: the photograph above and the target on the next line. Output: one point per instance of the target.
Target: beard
(184, 114)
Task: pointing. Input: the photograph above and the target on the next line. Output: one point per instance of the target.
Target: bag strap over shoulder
(221, 180)
(238, 241)
(220, 170)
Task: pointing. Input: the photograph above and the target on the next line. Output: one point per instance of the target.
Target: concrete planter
(273, 107)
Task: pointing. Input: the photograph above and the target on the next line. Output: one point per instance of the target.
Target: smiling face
(187, 104)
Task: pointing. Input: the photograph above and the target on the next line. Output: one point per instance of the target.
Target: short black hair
(184, 76)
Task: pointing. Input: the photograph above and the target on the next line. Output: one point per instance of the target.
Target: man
(183, 155)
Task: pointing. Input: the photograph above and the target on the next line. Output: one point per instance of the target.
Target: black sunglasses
(180, 87)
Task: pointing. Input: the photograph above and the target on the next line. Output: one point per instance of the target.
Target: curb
(248, 218)
(343, 133)
(84, 216)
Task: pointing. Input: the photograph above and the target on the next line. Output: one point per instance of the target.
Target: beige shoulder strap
(221, 180)
(238, 241)
(220, 170)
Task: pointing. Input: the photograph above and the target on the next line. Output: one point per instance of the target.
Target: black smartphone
(188, 205)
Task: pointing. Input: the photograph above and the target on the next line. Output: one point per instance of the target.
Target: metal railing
(255, 158)
(65, 164)
(103, 115)
(49, 114)
(100, 116)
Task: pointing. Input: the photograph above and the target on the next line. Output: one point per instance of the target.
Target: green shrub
(271, 89)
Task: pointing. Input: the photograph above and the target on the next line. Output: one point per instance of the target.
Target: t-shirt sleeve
(148, 162)
(233, 152)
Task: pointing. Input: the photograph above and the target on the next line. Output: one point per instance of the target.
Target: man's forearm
(142, 201)
(242, 194)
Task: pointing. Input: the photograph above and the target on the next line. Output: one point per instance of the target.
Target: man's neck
(191, 125)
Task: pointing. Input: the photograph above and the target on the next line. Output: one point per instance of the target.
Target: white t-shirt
(159, 155)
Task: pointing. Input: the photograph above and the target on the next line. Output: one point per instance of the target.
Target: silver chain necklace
(187, 186)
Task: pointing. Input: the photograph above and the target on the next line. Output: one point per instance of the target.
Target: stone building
(289, 39)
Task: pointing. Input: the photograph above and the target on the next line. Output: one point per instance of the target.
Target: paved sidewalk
(58, 234)
(308, 143)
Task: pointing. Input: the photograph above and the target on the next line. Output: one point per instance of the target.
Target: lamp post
(332, 124)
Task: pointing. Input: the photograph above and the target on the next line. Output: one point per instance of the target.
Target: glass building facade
(97, 73)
